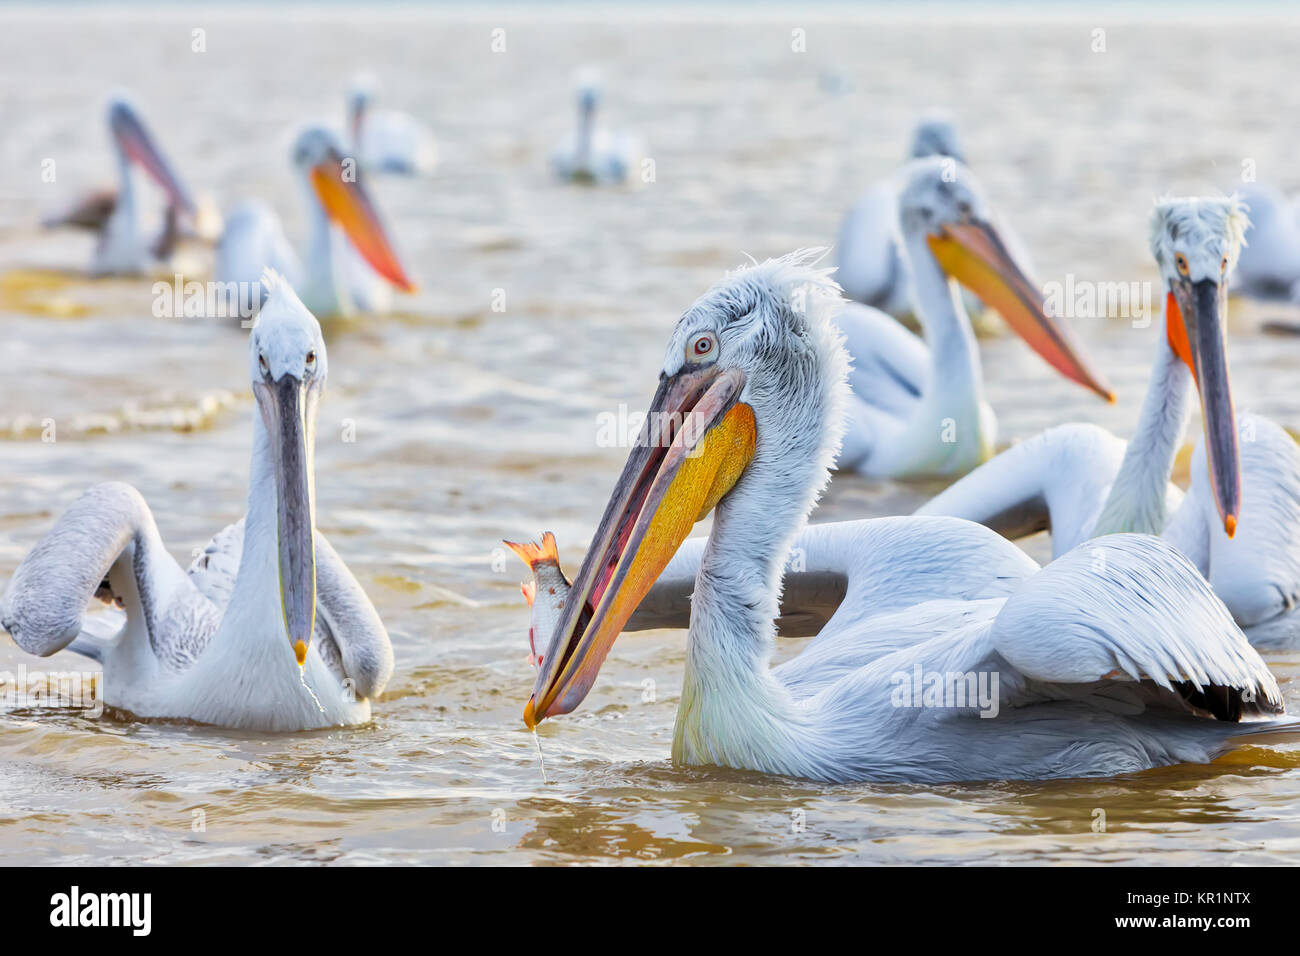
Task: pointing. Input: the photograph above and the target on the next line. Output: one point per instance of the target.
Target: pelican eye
(1180, 260)
(702, 347)
(1223, 264)
(261, 360)
(311, 358)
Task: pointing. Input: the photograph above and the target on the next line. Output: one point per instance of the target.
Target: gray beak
(284, 413)
(1202, 324)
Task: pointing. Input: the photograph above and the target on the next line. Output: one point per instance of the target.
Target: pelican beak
(1196, 322)
(338, 185)
(285, 413)
(974, 254)
(139, 146)
(696, 443)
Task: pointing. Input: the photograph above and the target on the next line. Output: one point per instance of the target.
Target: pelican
(592, 153)
(1239, 522)
(112, 214)
(873, 267)
(387, 141)
(1269, 267)
(336, 195)
(1096, 672)
(918, 406)
(268, 630)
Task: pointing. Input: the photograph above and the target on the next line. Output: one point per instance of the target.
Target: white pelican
(1096, 671)
(1269, 267)
(918, 406)
(872, 264)
(265, 631)
(112, 214)
(1240, 520)
(335, 190)
(592, 153)
(387, 141)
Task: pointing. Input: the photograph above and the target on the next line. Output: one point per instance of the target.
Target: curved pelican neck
(955, 390)
(1137, 499)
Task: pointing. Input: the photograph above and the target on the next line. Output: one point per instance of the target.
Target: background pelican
(335, 191)
(387, 141)
(1240, 520)
(872, 264)
(1097, 673)
(591, 153)
(1269, 266)
(113, 214)
(268, 630)
(918, 406)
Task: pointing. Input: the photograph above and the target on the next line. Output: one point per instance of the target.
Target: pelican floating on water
(387, 141)
(591, 153)
(112, 214)
(1239, 522)
(918, 406)
(332, 283)
(1096, 671)
(268, 630)
(1269, 266)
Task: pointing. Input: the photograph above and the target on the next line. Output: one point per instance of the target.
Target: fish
(545, 593)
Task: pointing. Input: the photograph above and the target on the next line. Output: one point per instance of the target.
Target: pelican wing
(872, 267)
(890, 365)
(1257, 571)
(252, 240)
(1058, 479)
(840, 574)
(106, 545)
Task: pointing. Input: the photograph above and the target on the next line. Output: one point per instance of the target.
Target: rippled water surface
(472, 424)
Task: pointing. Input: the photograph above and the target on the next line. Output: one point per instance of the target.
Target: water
(472, 425)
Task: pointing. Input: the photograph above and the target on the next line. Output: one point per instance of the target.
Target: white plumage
(1080, 481)
(388, 141)
(1115, 658)
(593, 153)
(210, 644)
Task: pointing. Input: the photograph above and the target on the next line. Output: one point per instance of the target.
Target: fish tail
(534, 554)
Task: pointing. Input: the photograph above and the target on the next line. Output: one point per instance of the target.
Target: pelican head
(750, 394)
(136, 145)
(287, 365)
(941, 201)
(1196, 243)
(935, 134)
(335, 180)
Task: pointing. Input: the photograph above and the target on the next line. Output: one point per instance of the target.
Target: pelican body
(1096, 672)
(590, 153)
(350, 263)
(918, 407)
(267, 630)
(1269, 265)
(114, 215)
(387, 141)
(1239, 522)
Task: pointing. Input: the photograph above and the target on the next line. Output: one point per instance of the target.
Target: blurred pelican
(268, 630)
(113, 214)
(918, 406)
(592, 153)
(1067, 671)
(387, 141)
(872, 262)
(1269, 267)
(1239, 522)
(336, 195)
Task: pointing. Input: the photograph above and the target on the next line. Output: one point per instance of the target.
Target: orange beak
(975, 255)
(696, 443)
(347, 203)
